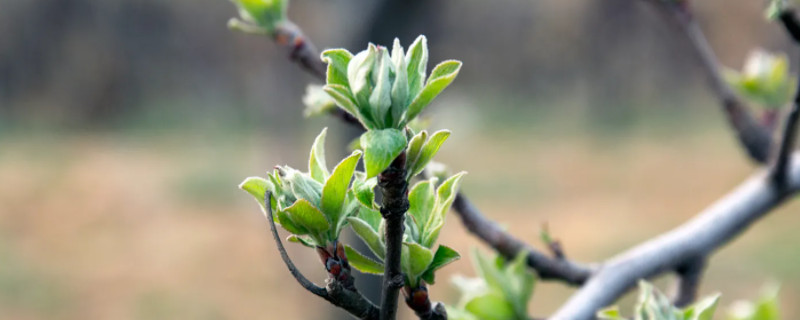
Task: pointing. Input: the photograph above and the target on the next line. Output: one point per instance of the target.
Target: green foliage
(259, 16)
(425, 218)
(501, 293)
(383, 90)
(765, 308)
(764, 79)
(313, 206)
(381, 147)
(421, 150)
(654, 305)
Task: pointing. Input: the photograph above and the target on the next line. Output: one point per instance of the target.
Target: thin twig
(334, 292)
(394, 189)
(699, 237)
(754, 137)
(304, 282)
(508, 246)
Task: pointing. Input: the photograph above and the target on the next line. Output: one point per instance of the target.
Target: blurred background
(126, 125)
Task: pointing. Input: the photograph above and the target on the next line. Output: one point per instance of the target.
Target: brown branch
(752, 135)
(699, 237)
(508, 246)
(418, 300)
(394, 189)
(334, 292)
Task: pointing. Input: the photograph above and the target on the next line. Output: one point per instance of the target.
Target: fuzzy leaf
(344, 99)
(429, 150)
(359, 73)
(304, 240)
(369, 235)
(287, 223)
(491, 306)
(316, 161)
(364, 189)
(422, 200)
(415, 148)
(417, 64)
(305, 215)
(335, 189)
(372, 217)
(337, 60)
(380, 100)
(257, 187)
(441, 77)
(400, 86)
(445, 196)
(415, 260)
(361, 262)
(704, 309)
(444, 255)
(381, 147)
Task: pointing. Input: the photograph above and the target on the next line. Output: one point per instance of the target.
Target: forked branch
(334, 292)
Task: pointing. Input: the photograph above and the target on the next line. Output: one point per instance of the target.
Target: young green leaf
(415, 150)
(342, 96)
(417, 62)
(364, 189)
(446, 194)
(361, 262)
(304, 214)
(400, 86)
(381, 147)
(369, 235)
(444, 255)
(429, 150)
(316, 161)
(421, 201)
(372, 217)
(380, 99)
(415, 260)
(335, 189)
(611, 313)
(441, 77)
(491, 306)
(337, 60)
(304, 240)
(287, 223)
(257, 187)
(359, 74)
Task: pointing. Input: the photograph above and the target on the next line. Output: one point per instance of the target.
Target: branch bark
(752, 135)
(699, 237)
(689, 277)
(779, 170)
(394, 188)
(547, 267)
(334, 292)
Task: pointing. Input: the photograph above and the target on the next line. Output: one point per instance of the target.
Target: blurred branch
(335, 292)
(787, 143)
(754, 137)
(697, 238)
(494, 236)
(418, 300)
(689, 277)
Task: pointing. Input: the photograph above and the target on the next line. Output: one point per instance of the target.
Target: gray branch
(699, 237)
